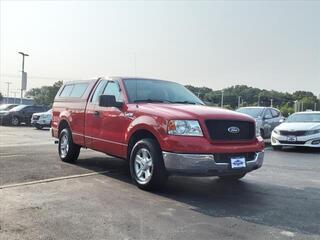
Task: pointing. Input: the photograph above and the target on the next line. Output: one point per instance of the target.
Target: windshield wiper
(150, 100)
(186, 102)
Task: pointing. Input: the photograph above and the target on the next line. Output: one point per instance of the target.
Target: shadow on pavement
(292, 209)
(301, 150)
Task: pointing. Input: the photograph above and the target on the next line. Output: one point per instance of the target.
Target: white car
(301, 129)
(41, 120)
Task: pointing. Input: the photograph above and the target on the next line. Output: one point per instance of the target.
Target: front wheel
(146, 165)
(15, 121)
(234, 177)
(68, 151)
(277, 148)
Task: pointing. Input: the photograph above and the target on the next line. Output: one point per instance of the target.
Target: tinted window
(304, 117)
(113, 89)
(253, 112)
(99, 91)
(275, 113)
(66, 91)
(267, 113)
(79, 89)
(18, 108)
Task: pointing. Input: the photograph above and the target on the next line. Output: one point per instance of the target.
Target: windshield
(18, 108)
(6, 107)
(146, 90)
(308, 117)
(253, 112)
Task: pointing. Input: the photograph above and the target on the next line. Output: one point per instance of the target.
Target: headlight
(184, 128)
(311, 132)
(276, 131)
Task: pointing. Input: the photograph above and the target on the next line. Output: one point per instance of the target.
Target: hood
(298, 126)
(188, 111)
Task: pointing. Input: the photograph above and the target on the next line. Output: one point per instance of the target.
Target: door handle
(96, 113)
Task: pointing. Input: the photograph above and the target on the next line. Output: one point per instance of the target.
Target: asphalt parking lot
(44, 198)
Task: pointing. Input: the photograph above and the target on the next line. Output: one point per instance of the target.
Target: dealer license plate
(291, 138)
(238, 162)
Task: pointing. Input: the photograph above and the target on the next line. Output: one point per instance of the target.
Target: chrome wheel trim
(64, 146)
(143, 166)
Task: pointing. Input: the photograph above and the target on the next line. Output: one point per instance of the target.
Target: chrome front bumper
(204, 164)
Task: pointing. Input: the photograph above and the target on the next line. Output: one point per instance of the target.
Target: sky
(217, 44)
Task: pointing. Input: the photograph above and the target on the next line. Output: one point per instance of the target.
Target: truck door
(106, 125)
(92, 118)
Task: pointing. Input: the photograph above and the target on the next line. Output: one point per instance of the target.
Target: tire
(68, 151)
(146, 165)
(15, 121)
(38, 127)
(277, 148)
(232, 178)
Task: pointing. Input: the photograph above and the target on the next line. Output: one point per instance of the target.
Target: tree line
(233, 97)
(243, 95)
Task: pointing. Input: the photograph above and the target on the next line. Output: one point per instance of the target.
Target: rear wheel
(38, 127)
(15, 121)
(233, 177)
(146, 165)
(68, 151)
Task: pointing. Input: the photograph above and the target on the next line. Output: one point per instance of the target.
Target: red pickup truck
(160, 127)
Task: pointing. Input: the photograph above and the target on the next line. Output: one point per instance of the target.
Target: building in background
(12, 100)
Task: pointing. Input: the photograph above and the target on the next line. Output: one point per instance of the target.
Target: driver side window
(267, 114)
(99, 90)
(113, 89)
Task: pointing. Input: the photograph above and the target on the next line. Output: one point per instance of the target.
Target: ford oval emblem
(233, 130)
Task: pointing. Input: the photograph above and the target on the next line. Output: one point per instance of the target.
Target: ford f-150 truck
(159, 126)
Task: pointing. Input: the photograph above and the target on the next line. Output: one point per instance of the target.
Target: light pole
(239, 99)
(222, 98)
(259, 95)
(23, 73)
(271, 102)
(8, 88)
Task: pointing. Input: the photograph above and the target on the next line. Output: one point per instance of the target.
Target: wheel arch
(137, 136)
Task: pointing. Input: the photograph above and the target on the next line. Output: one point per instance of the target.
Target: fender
(155, 125)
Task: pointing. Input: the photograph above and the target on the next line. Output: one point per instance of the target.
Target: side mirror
(281, 120)
(109, 101)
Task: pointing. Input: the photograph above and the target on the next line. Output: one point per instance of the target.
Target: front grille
(226, 157)
(293, 133)
(35, 117)
(218, 130)
(289, 142)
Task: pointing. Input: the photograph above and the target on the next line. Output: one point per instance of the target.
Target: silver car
(267, 118)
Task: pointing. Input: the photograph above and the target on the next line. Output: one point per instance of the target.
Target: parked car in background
(42, 119)
(267, 118)
(4, 108)
(20, 114)
(300, 129)
(159, 127)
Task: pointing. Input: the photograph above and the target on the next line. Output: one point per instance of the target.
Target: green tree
(45, 94)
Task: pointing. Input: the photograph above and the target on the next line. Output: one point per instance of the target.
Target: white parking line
(52, 179)
(27, 144)
(14, 155)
